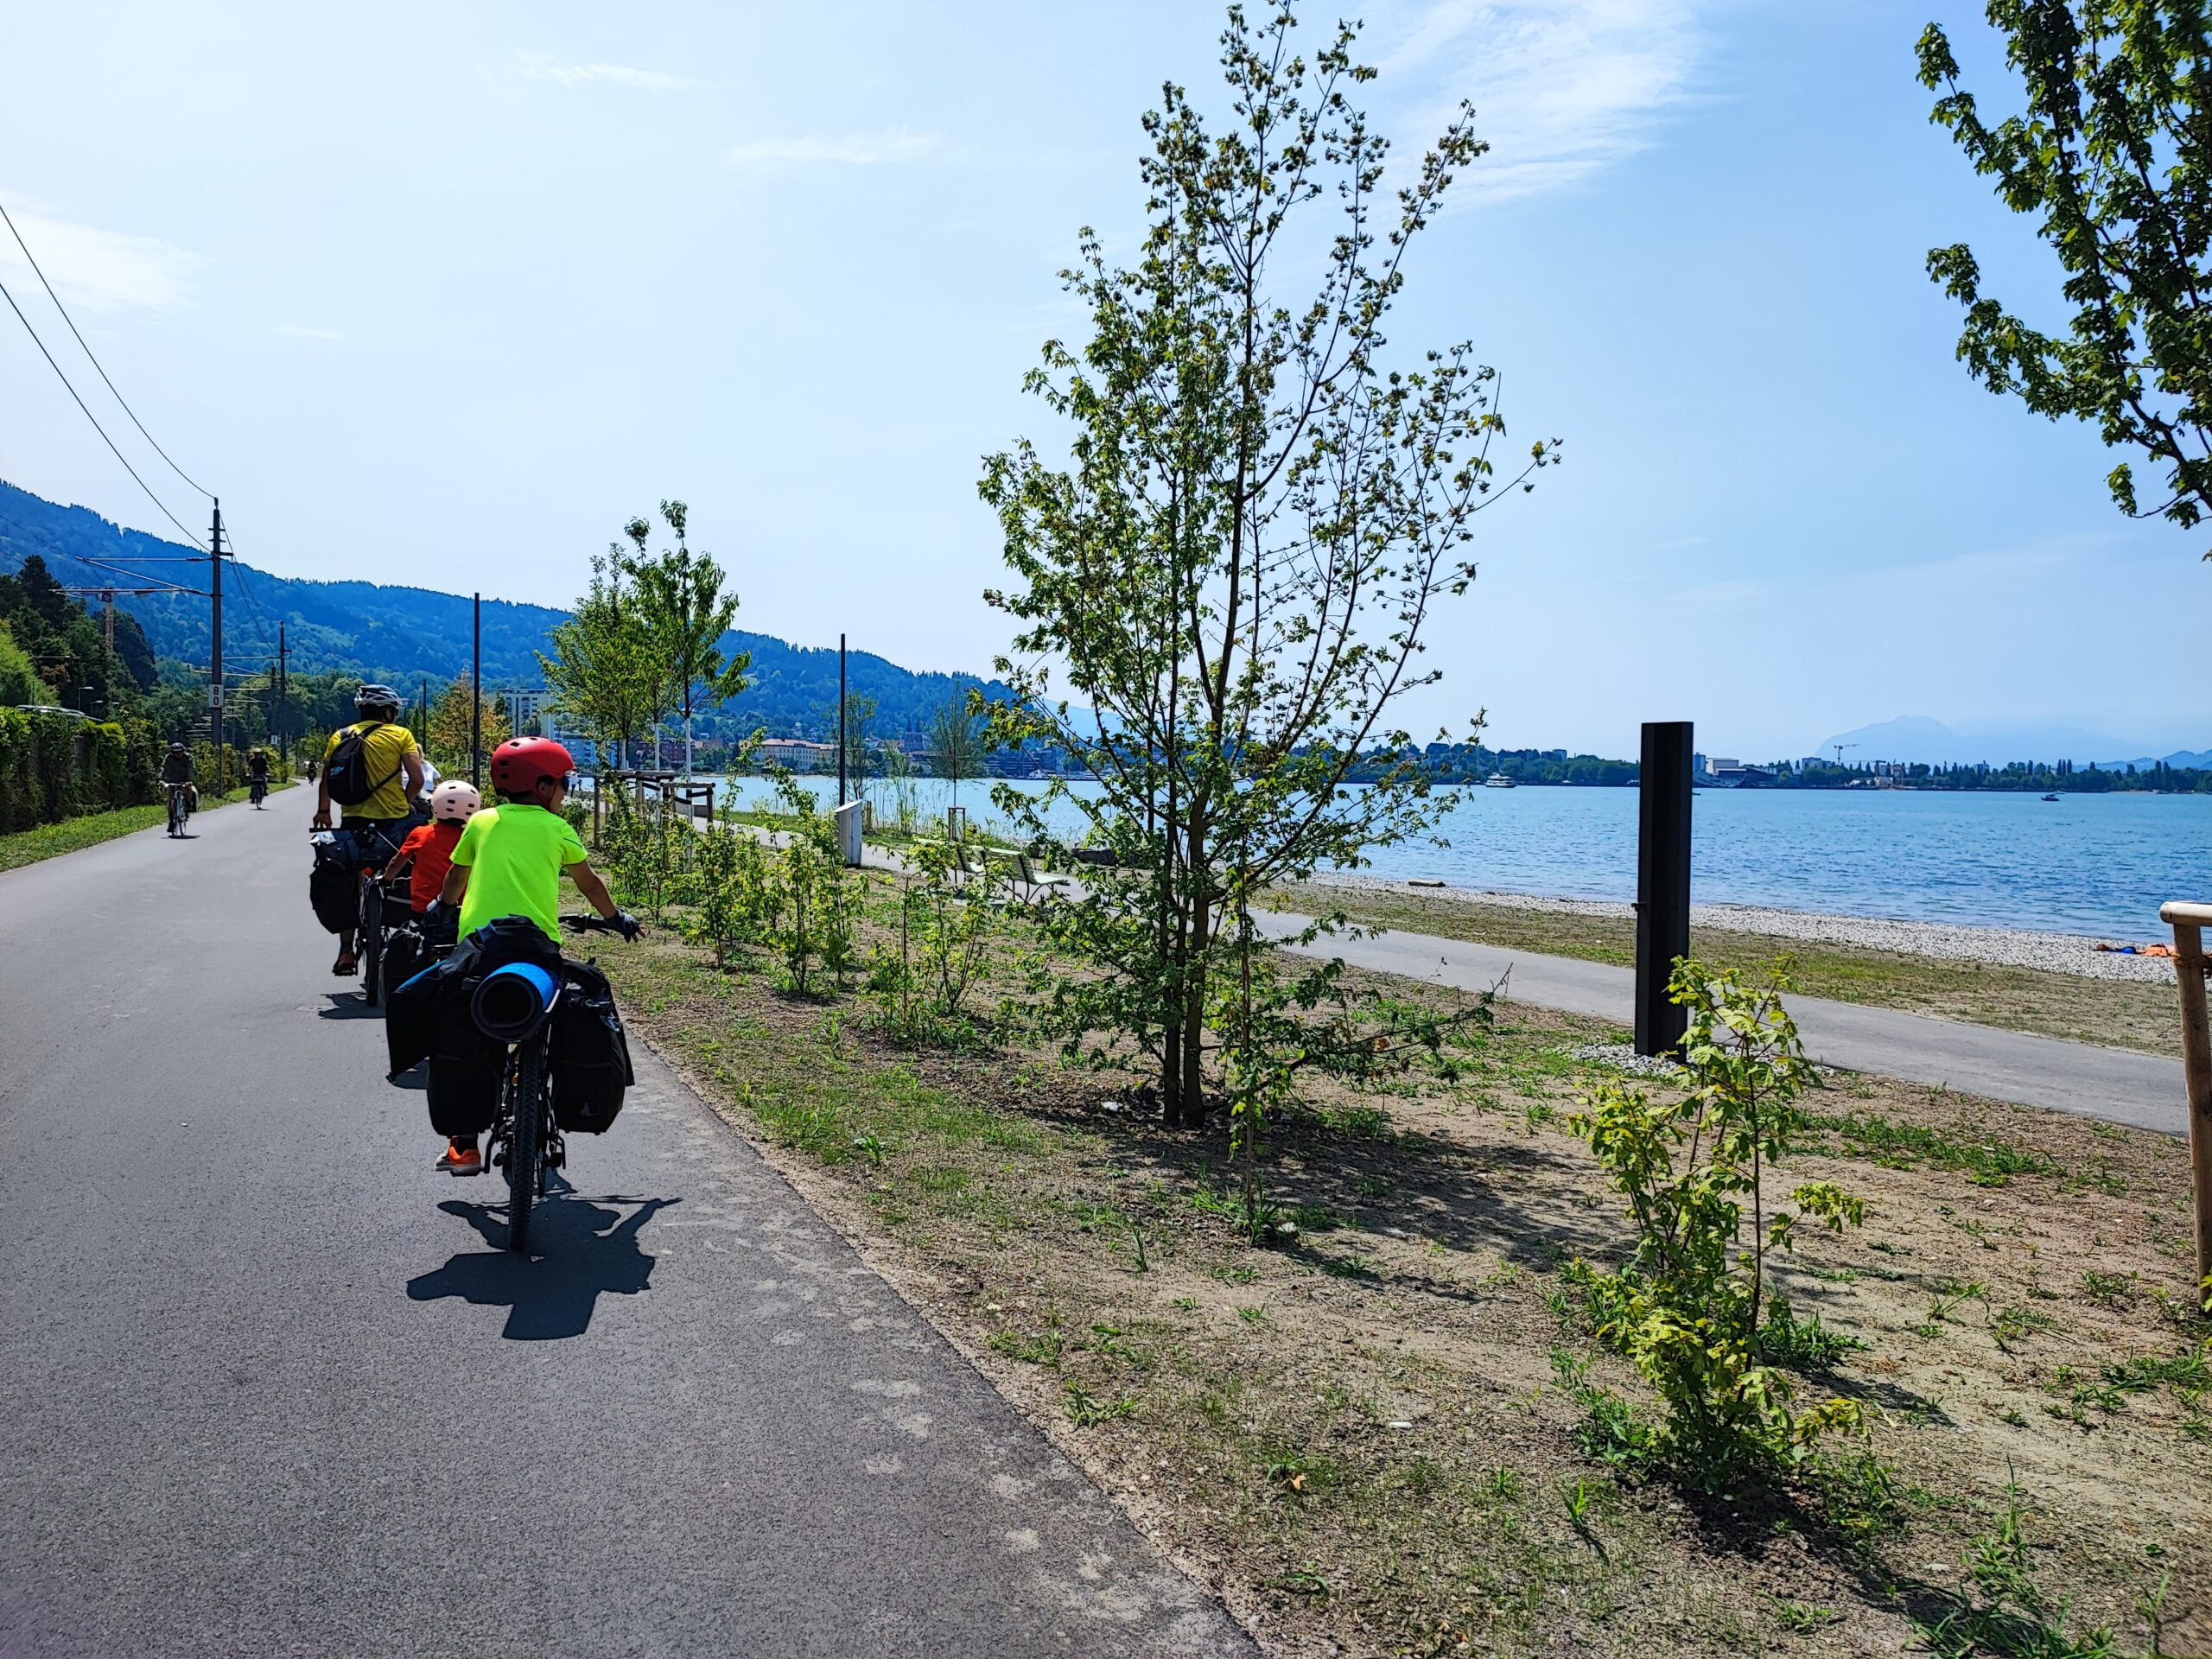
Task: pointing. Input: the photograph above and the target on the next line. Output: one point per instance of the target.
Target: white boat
(1498, 780)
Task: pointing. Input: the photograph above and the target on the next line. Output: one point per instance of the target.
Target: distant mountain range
(1918, 740)
(404, 635)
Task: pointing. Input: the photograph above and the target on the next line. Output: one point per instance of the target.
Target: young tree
(680, 594)
(606, 671)
(450, 729)
(955, 748)
(2113, 156)
(1238, 567)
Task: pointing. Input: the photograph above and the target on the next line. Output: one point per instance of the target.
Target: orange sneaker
(461, 1158)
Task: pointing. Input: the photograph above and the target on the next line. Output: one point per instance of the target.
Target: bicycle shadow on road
(349, 1005)
(580, 1251)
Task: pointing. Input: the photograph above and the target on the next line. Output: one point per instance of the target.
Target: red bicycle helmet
(519, 764)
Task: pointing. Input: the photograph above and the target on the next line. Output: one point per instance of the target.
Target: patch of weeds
(1346, 1267)
(1375, 1186)
(1087, 1410)
(1576, 1500)
(1316, 1218)
(1949, 1295)
(1537, 1114)
(2114, 1289)
(1233, 1275)
(1111, 1339)
(1252, 1315)
(1357, 1123)
(1505, 1483)
(1609, 1430)
(1902, 1146)
(1804, 1345)
(1043, 1348)
(1858, 1494)
(1798, 1618)
(1292, 1475)
(2014, 1323)
(1305, 1582)
(1188, 1304)
(1832, 1275)
(2008, 1613)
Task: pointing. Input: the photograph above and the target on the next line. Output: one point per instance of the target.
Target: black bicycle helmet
(377, 697)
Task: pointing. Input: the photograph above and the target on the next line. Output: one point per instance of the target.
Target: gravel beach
(2062, 953)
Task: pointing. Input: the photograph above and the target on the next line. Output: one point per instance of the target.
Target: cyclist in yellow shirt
(373, 770)
(510, 860)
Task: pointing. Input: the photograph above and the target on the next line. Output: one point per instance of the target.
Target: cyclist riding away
(428, 847)
(509, 861)
(373, 770)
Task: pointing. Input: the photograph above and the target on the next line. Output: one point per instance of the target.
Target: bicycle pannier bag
(331, 884)
(465, 1064)
(590, 1054)
(348, 772)
(411, 1017)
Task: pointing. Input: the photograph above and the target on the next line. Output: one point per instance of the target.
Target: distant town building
(798, 753)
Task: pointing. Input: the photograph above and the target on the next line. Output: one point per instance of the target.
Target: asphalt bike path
(2145, 1090)
(270, 1384)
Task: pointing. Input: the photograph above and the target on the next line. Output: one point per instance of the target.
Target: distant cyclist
(257, 775)
(176, 772)
(372, 769)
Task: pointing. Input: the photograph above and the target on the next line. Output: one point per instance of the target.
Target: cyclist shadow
(580, 1251)
(349, 1005)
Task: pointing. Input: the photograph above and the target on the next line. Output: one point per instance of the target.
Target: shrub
(1685, 1307)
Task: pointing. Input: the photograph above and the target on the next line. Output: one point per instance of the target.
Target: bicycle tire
(371, 918)
(527, 1099)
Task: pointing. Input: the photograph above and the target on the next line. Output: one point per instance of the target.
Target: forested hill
(405, 635)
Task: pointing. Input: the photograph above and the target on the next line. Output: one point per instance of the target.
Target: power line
(127, 409)
(94, 419)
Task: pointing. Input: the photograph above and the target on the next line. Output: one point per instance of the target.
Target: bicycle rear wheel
(526, 1102)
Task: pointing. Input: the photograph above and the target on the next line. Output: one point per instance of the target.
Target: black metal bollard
(1662, 881)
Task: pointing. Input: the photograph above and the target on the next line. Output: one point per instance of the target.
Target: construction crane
(1840, 749)
(107, 597)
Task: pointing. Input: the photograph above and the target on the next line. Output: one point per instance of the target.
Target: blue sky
(444, 295)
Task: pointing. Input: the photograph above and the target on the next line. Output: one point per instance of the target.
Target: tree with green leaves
(680, 594)
(2112, 157)
(955, 748)
(1262, 508)
(607, 672)
(451, 729)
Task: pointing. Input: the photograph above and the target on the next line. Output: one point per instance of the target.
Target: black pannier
(410, 1017)
(332, 883)
(405, 955)
(591, 1054)
(465, 1064)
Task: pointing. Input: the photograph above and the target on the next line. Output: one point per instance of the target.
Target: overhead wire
(95, 361)
(94, 419)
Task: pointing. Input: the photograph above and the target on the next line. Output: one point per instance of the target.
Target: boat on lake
(2050, 798)
(1498, 780)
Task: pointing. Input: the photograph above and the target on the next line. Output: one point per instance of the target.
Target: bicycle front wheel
(527, 1101)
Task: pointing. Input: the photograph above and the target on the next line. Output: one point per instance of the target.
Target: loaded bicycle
(515, 1005)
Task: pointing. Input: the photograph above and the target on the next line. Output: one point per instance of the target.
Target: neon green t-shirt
(514, 855)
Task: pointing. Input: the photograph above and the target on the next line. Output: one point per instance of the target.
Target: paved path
(269, 1385)
(2122, 1087)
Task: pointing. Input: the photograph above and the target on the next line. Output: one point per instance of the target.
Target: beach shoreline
(2064, 953)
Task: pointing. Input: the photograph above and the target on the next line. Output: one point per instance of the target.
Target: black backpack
(333, 885)
(348, 771)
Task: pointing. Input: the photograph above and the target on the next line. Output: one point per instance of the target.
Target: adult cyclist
(176, 773)
(380, 777)
(256, 776)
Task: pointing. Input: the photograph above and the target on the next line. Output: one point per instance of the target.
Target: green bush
(54, 767)
(1685, 1307)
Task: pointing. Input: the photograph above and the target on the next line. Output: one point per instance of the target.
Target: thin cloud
(1561, 88)
(617, 74)
(295, 331)
(892, 147)
(95, 269)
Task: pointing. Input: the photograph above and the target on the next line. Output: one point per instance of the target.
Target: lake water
(2098, 864)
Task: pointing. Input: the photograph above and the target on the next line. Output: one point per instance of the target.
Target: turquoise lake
(2099, 864)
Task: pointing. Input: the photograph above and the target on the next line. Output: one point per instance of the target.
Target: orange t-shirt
(431, 846)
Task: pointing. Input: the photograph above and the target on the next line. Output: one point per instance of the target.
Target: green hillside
(406, 635)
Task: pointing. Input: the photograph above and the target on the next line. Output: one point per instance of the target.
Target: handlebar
(601, 925)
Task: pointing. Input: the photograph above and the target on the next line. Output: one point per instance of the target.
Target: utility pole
(1663, 883)
(840, 720)
(476, 697)
(215, 651)
(283, 702)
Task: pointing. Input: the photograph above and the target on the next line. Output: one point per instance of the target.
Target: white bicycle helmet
(455, 799)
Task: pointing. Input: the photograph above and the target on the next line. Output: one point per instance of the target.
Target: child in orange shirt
(430, 847)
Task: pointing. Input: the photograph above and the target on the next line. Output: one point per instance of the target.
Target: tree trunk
(1194, 980)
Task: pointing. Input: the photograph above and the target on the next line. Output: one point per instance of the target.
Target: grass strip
(48, 840)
